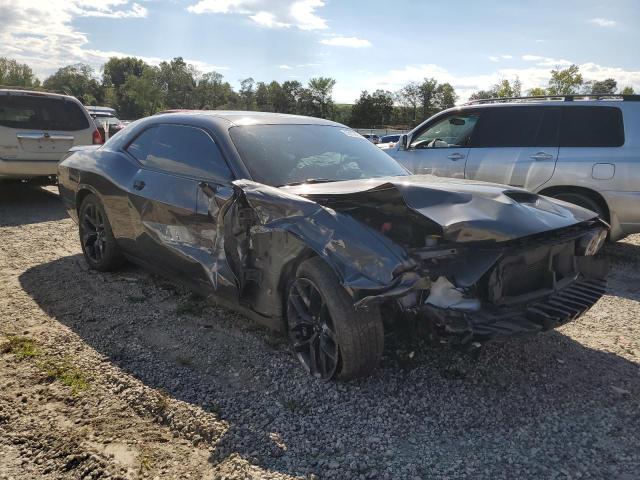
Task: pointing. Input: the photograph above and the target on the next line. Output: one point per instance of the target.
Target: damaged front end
(522, 287)
(471, 267)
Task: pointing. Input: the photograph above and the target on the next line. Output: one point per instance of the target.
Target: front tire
(329, 336)
(99, 246)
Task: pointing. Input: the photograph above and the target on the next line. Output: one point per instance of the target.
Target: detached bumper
(462, 327)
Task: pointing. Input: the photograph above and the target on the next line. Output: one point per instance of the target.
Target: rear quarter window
(31, 112)
(591, 127)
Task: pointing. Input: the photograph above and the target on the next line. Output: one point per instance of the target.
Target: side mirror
(403, 142)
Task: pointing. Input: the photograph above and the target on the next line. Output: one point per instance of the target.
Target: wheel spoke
(300, 309)
(329, 350)
(313, 358)
(89, 222)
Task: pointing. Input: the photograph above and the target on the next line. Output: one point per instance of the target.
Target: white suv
(37, 129)
(580, 149)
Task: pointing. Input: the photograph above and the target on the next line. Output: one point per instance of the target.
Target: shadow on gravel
(422, 408)
(43, 206)
(624, 261)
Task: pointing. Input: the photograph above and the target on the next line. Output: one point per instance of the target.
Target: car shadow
(223, 363)
(45, 205)
(624, 262)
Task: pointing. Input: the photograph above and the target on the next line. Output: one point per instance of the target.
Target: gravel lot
(125, 375)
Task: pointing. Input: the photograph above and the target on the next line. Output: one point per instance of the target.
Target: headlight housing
(591, 243)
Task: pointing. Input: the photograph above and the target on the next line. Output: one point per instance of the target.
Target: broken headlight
(591, 243)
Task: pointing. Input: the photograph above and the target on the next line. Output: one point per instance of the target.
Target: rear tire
(582, 201)
(99, 246)
(323, 321)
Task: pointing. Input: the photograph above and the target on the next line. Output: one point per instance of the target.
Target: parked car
(37, 129)
(303, 225)
(574, 148)
(107, 122)
(373, 138)
(388, 141)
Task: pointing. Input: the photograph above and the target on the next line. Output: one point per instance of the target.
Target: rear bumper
(463, 327)
(27, 168)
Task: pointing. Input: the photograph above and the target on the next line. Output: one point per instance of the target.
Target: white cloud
(603, 22)
(352, 42)
(497, 58)
(465, 85)
(268, 13)
(268, 20)
(546, 61)
(41, 33)
(285, 67)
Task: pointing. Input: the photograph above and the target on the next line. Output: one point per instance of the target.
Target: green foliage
(536, 92)
(14, 74)
(77, 80)
(65, 372)
(607, 86)
(21, 347)
(502, 89)
(565, 82)
(628, 91)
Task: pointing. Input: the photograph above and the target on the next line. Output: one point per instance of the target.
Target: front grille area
(554, 311)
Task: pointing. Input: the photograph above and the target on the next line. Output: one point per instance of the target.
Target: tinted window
(517, 127)
(591, 127)
(180, 149)
(281, 154)
(452, 131)
(41, 113)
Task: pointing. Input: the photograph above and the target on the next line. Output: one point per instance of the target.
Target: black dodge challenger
(304, 225)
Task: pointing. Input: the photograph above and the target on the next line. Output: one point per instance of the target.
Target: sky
(363, 44)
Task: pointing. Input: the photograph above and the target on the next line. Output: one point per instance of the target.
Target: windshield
(282, 154)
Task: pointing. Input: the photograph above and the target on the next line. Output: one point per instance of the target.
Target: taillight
(97, 138)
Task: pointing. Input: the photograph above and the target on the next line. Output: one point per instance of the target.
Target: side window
(180, 149)
(141, 146)
(452, 131)
(517, 127)
(591, 127)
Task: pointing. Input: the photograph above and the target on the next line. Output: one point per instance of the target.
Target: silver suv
(37, 129)
(584, 150)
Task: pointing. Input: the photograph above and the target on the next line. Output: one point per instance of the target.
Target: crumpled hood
(465, 210)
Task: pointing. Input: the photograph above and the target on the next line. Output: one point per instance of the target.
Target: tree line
(136, 89)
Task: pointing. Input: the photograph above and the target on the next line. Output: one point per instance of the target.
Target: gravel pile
(152, 382)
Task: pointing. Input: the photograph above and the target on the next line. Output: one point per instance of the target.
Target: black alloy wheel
(311, 329)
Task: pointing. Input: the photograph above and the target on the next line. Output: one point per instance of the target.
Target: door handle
(455, 156)
(541, 156)
(138, 184)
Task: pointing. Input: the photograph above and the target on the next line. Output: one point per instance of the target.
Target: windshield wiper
(308, 180)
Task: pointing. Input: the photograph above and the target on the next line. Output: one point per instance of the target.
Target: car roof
(35, 93)
(238, 117)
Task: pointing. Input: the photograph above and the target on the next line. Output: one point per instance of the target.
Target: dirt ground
(125, 375)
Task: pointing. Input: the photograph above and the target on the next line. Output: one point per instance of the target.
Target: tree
(605, 87)
(212, 92)
(263, 101)
(537, 92)
(178, 83)
(445, 96)
(117, 69)
(291, 91)
(565, 82)
(503, 89)
(409, 97)
(319, 91)
(427, 92)
(77, 80)
(142, 95)
(247, 94)
(14, 74)
(628, 91)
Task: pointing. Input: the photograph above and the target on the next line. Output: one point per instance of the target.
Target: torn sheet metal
(464, 210)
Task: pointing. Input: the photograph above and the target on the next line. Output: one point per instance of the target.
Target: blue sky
(362, 44)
